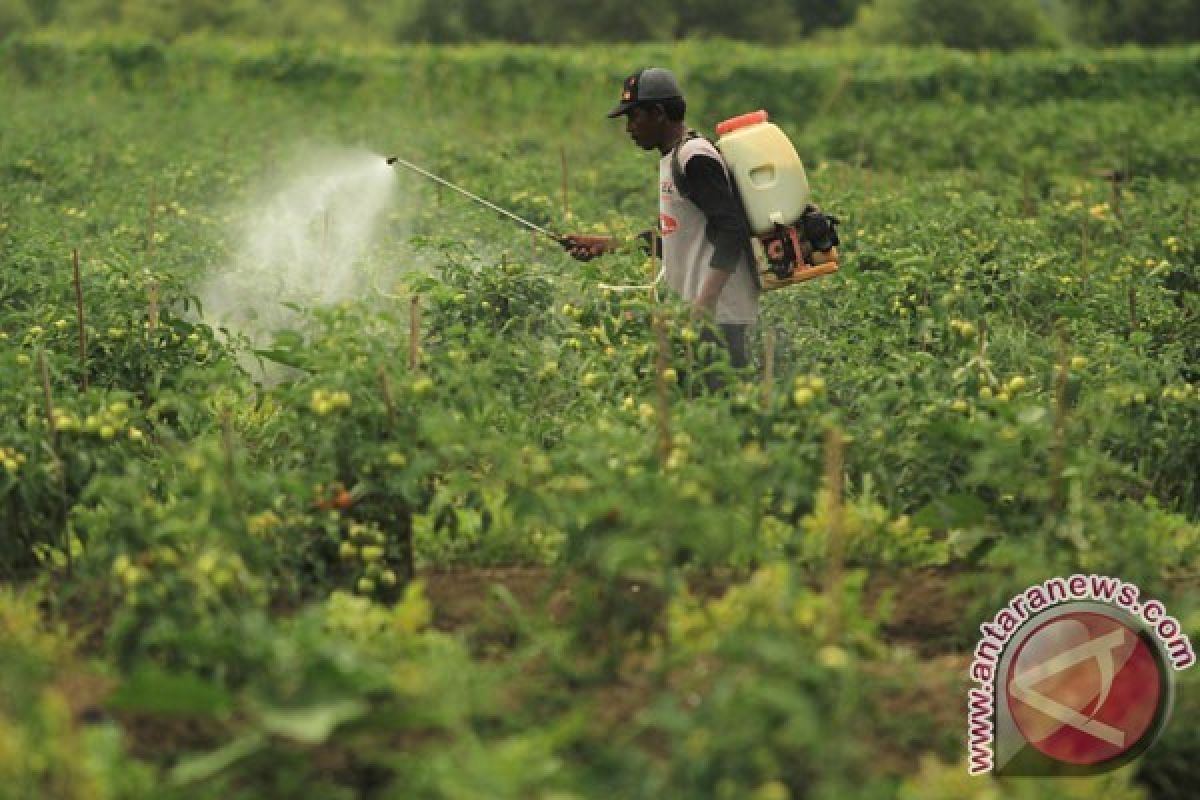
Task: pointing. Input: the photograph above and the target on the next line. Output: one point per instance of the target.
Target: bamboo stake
(230, 461)
(768, 384)
(59, 470)
(654, 245)
(562, 152)
(1083, 247)
(836, 546)
(152, 289)
(151, 222)
(1059, 445)
(83, 367)
(152, 299)
(386, 388)
(660, 374)
(49, 400)
(664, 457)
(414, 332)
(325, 236)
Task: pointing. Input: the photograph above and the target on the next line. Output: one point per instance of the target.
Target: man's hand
(703, 311)
(585, 248)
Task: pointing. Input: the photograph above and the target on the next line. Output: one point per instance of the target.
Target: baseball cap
(652, 83)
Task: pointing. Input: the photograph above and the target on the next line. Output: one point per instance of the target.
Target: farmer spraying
(735, 215)
(706, 252)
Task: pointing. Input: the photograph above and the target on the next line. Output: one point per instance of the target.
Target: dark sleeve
(709, 189)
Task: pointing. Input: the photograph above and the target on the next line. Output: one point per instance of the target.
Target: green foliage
(15, 17)
(44, 752)
(1117, 21)
(962, 24)
(284, 571)
(970, 25)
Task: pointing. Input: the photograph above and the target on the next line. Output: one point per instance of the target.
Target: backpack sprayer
(792, 240)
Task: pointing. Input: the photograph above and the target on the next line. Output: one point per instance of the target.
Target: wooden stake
(414, 332)
(152, 289)
(562, 152)
(660, 374)
(83, 367)
(59, 470)
(230, 460)
(49, 399)
(152, 298)
(151, 221)
(654, 245)
(1083, 247)
(768, 369)
(386, 388)
(1059, 445)
(1133, 317)
(325, 236)
(836, 546)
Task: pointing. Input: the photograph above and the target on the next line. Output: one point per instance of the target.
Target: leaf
(202, 767)
(314, 724)
(288, 358)
(1032, 415)
(152, 691)
(963, 543)
(951, 511)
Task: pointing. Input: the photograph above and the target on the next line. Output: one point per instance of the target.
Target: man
(705, 239)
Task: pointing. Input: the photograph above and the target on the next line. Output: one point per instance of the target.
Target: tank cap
(744, 121)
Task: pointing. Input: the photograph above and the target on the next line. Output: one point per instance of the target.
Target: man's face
(644, 126)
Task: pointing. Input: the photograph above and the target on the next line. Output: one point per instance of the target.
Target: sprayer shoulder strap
(677, 174)
(683, 188)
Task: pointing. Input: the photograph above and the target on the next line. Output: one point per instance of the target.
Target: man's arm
(710, 290)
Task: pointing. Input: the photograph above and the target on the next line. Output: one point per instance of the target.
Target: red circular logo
(1084, 688)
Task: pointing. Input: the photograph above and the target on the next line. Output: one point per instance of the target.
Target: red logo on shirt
(668, 224)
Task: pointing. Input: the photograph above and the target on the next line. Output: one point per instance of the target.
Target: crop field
(320, 481)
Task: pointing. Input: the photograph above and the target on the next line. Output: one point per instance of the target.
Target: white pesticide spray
(302, 245)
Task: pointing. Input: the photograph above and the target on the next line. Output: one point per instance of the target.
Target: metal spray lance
(561, 240)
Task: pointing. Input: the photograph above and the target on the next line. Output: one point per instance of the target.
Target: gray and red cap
(646, 86)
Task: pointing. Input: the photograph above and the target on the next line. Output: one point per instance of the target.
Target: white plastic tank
(768, 172)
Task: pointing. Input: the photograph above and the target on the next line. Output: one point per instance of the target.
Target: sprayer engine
(799, 252)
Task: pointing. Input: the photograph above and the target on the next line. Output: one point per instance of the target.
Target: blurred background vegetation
(966, 24)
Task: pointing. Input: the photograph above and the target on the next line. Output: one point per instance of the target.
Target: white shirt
(687, 251)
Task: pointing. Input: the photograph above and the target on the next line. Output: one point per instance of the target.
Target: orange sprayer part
(744, 121)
